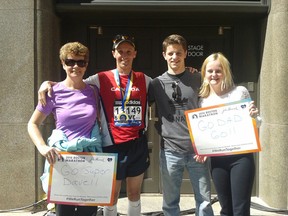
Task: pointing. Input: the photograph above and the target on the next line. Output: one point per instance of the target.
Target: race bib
(130, 116)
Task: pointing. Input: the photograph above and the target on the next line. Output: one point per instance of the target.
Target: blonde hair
(227, 82)
(74, 48)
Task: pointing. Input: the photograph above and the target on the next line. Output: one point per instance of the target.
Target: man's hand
(46, 86)
(192, 70)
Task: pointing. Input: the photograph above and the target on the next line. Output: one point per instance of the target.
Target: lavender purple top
(74, 110)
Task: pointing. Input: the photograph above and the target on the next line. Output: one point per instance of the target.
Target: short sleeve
(47, 109)
(93, 80)
(244, 93)
(151, 90)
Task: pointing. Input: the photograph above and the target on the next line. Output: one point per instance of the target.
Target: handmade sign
(223, 129)
(83, 179)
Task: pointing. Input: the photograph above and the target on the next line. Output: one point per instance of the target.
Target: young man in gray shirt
(174, 92)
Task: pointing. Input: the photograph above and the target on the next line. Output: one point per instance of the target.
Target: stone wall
(273, 174)
(29, 37)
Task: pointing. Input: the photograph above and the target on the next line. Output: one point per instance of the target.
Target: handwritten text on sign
(223, 129)
(83, 179)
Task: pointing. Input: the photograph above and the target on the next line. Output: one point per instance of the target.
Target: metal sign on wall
(197, 51)
(204, 1)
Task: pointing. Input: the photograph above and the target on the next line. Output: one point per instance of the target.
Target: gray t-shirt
(174, 94)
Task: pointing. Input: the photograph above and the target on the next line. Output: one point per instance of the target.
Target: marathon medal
(121, 117)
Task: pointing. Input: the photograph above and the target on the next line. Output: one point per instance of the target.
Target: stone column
(273, 175)
(29, 34)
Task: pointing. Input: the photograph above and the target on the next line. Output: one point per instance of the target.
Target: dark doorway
(201, 41)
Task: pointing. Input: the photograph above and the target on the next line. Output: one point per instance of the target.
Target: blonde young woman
(233, 176)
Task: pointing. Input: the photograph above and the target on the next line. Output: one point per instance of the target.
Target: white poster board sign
(83, 179)
(223, 129)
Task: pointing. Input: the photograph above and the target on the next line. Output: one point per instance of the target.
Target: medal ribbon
(126, 96)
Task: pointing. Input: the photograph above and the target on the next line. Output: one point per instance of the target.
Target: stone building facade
(32, 32)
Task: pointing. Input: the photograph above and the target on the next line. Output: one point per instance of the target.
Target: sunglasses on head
(176, 92)
(122, 37)
(72, 62)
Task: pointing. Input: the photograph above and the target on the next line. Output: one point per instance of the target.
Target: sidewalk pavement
(151, 206)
